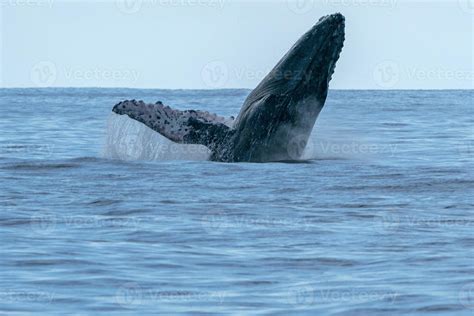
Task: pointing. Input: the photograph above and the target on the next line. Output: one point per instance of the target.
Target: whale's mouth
(324, 45)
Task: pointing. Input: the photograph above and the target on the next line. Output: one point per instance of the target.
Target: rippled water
(378, 221)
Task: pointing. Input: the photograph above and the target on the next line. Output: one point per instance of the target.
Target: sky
(213, 44)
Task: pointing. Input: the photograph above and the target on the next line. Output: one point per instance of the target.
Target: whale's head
(283, 108)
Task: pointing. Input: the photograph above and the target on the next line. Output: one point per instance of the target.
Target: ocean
(99, 215)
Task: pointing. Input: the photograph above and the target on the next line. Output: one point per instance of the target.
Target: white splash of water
(127, 139)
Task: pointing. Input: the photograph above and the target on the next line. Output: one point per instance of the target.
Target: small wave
(301, 161)
(39, 166)
(87, 159)
(15, 222)
(51, 262)
(104, 202)
(395, 124)
(440, 308)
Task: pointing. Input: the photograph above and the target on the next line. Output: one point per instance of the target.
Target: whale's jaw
(278, 116)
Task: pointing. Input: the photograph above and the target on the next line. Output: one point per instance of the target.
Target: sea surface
(99, 215)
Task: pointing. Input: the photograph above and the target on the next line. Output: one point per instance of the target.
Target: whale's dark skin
(277, 117)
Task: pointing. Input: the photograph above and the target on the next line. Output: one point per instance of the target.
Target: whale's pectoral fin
(186, 127)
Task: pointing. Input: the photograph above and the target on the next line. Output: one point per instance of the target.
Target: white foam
(127, 139)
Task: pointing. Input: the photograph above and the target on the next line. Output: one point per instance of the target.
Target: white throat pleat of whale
(127, 139)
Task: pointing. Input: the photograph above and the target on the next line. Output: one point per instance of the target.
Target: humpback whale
(277, 117)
